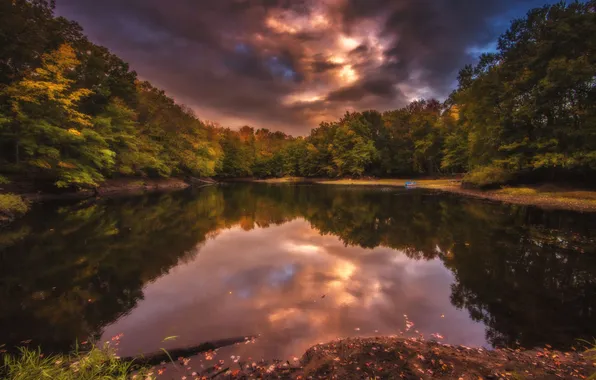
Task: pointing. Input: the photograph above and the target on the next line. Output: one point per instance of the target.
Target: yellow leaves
(40, 164)
(66, 165)
(74, 132)
(80, 118)
(514, 145)
(60, 60)
(454, 112)
(112, 232)
(551, 160)
(48, 91)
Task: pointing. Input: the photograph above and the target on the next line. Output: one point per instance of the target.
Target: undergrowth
(12, 206)
(97, 363)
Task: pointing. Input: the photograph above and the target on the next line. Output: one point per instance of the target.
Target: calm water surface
(296, 265)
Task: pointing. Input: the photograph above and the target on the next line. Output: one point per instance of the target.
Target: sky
(290, 64)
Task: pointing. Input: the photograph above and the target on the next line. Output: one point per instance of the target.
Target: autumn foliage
(73, 113)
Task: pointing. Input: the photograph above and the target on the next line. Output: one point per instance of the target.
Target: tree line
(74, 113)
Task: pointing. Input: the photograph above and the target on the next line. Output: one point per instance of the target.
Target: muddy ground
(393, 358)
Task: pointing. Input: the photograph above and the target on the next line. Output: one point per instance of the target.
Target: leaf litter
(400, 358)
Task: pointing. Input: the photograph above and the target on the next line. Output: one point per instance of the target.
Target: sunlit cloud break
(289, 65)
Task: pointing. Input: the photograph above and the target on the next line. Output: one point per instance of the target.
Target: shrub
(12, 206)
(486, 177)
(98, 363)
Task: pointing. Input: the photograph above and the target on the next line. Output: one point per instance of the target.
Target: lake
(295, 265)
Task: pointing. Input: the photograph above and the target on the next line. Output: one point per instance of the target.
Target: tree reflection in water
(67, 270)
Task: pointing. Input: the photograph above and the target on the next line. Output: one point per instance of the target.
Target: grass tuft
(98, 363)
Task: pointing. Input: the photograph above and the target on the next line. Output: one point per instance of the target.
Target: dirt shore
(397, 358)
(394, 358)
(110, 188)
(544, 196)
(142, 185)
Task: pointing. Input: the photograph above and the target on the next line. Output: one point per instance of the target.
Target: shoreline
(544, 196)
(110, 188)
(392, 357)
(381, 357)
(16, 198)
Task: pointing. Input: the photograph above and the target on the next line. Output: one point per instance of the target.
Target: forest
(74, 114)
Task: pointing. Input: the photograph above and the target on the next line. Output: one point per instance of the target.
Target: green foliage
(487, 176)
(97, 363)
(76, 114)
(402, 142)
(531, 105)
(73, 113)
(28, 29)
(12, 206)
(118, 127)
(591, 353)
(179, 143)
(49, 133)
(351, 149)
(294, 157)
(238, 155)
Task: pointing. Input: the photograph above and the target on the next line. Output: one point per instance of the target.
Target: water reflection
(298, 265)
(236, 286)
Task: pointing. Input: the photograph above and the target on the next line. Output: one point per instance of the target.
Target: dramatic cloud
(289, 64)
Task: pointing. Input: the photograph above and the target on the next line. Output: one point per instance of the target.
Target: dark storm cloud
(247, 61)
(375, 87)
(433, 35)
(287, 64)
(321, 64)
(361, 49)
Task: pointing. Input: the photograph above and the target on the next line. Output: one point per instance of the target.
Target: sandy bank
(545, 196)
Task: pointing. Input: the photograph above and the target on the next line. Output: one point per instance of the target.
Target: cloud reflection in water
(295, 288)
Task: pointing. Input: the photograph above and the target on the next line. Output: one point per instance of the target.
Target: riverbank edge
(393, 357)
(384, 357)
(397, 357)
(544, 196)
(22, 194)
(109, 188)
